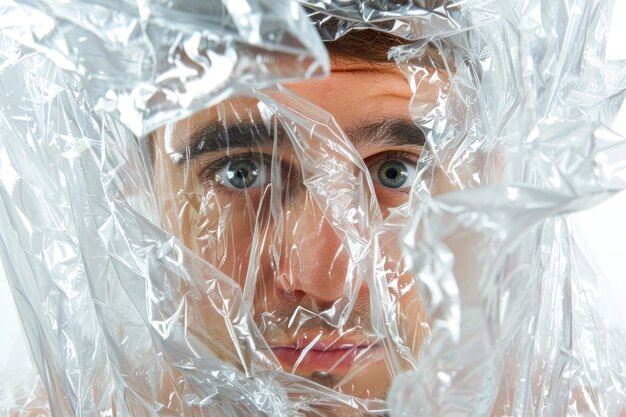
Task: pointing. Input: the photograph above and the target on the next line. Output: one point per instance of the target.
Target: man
(239, 189)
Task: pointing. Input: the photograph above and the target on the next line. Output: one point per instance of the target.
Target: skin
(300, 262)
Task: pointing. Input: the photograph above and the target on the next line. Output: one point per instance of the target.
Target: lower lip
(330, 360)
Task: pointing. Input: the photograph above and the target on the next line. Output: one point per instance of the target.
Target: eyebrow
(389, 132)
(215, 136)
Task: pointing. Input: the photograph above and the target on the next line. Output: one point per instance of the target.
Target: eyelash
(403, 156)
(209, 171)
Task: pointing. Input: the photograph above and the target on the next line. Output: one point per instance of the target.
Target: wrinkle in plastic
(189, 228)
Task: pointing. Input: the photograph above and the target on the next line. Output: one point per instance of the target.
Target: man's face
(236, 191)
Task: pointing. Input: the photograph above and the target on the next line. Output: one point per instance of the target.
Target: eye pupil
(242, 173)
(392, 174)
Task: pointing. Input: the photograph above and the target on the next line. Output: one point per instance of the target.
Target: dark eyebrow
(390, 132)
(216, 136)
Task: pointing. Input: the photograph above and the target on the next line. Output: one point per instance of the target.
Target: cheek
(389, 199)
(406, 300)
(221, 229)
(411, 314)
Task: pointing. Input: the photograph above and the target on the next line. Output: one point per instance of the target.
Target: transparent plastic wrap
(206, 211)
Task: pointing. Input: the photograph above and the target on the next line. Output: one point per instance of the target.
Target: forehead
(354, 89)
(354, 93)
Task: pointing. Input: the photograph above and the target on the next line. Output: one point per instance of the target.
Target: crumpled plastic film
(516, 328)
(411, 20)
(206, 213)
(147, 62)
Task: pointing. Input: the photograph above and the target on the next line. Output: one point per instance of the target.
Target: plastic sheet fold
(148, 62)
(330, 208)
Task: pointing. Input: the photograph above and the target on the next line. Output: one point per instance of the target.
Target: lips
(332, 357)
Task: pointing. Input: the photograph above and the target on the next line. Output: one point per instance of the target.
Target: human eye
(393, 170)
(239, 172)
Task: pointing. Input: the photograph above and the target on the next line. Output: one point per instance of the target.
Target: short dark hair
(367, 45)
(372, 47)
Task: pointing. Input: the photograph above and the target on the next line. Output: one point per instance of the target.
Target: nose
(313, 260)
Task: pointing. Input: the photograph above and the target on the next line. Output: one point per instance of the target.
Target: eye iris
(243, 173)
(392, 174)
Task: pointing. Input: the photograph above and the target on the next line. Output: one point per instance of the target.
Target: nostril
(287, 283)
(299, 293)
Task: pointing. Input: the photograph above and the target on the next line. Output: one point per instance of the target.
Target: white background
(604, 229)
